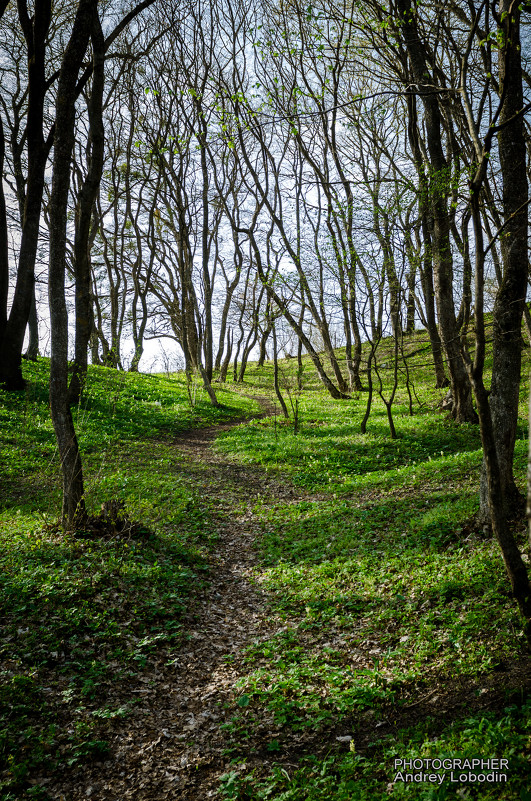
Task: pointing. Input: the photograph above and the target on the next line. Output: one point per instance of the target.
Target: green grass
(83, 618)
(386, 590)
(393, 626)
(356, 777)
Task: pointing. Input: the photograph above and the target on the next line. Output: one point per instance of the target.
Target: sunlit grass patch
(385, 588)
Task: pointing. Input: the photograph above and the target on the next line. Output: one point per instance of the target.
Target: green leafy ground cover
(399, 638)
(86, 618)
(400, 632)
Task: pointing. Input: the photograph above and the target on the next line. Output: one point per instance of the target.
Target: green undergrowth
(387, 769)
(88, 618)
(387, 593)
(393, 633)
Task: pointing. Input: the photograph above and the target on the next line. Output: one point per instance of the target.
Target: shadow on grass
(323, 454)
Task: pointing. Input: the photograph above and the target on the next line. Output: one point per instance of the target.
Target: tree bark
(84, 211)
(426, 262)
(4, 252)
(73, 491)
(510, 299)
(33, 330)
(438, 188)
(278, 393)
(36, 35)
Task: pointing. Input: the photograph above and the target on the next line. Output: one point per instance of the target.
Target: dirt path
(172, 746)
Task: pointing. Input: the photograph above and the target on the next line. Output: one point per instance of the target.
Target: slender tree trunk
(4, 251)
(33, 330)
(463, 318)
(370, 359)
(226, 361)
(410, 304)
(263, 342)
(281, 305)
(278, 393)
(84, 211)
(426, 263)
(431, 320)
(73, 492)
(510, 300)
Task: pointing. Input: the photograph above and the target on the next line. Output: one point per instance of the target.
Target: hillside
(263, 610)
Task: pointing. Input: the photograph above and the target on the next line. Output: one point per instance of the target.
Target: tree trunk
(73, 500)
(36, 35)
(510, 300)
(263, 342)
(4, 252)
(281, 305)
(226, 360)
(85, 206)
(33, 330)
(426, 262)
(278, 393)
(439, 190)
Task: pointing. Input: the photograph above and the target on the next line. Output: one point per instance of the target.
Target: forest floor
(174, 744)
(282, 609)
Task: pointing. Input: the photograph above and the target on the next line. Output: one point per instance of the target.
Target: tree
(86, 24)
(439, 191)
(38, 143)
(498, 409)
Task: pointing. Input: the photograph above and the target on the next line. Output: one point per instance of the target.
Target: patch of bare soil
(172, 746)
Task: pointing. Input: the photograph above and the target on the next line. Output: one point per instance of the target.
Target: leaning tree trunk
(510, 300)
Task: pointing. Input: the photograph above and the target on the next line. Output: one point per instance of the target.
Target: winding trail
(172, 746)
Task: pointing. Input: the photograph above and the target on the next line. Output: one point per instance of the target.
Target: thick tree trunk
(494, 479)
(514, 564)
(36, 34)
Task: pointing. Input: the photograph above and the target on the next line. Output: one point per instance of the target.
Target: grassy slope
(83, 620)
(400, 632)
